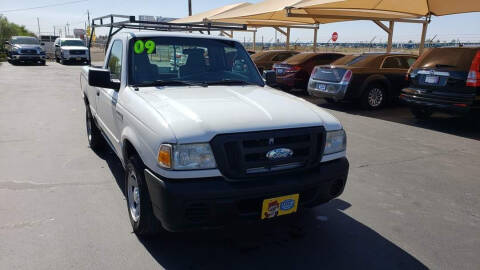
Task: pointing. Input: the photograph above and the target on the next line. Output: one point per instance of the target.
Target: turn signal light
(165, 156)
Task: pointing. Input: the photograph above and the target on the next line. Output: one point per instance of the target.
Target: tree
(9, 29)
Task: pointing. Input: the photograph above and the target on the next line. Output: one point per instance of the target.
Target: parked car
(207, 144)
(24, 49)
(295, 71)
(71, 50)
(444, 79)
(264, 60)
(373, 79)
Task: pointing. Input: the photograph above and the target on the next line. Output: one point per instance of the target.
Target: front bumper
(79, 58)
(333, 90)
(29, 57)
(193, 204)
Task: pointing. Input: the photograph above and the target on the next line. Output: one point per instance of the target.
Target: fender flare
(374, 79)
(129, 135)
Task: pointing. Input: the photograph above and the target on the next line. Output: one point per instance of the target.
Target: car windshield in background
(299, 58)
(350, 60)
(72, 43)
(187, 61)
(26, 40)
(447, 58)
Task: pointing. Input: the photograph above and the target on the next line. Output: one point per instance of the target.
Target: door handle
(98, 93)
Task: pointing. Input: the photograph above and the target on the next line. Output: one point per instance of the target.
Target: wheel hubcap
(375, 97)
(133, 195)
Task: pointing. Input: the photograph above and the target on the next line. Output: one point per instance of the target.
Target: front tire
(374, 97)
(94, 135)
(140, 209)
(421, 113)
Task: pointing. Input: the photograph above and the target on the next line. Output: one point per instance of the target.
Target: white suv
(71, 50)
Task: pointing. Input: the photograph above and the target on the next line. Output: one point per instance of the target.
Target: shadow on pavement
(467, 127)
(320, 238)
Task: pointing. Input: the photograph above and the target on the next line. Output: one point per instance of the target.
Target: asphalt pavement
(412, 199)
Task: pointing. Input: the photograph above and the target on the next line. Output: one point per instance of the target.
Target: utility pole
(189, 7)
(68, 27)
(88, 16)
(54, 30)
(65, 31)
(38, 23)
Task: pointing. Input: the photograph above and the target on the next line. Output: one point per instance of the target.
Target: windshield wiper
(229, 81)
(172, 82)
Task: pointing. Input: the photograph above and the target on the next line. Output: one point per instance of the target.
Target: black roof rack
(116, 23)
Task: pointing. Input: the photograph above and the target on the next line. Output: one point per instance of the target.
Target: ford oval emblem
(287, 204)
(279, 153)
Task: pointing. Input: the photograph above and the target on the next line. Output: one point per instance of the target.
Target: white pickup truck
(203, 141)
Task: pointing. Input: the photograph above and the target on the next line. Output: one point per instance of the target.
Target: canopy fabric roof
(411, 7)
(267, 12)
(200, 17)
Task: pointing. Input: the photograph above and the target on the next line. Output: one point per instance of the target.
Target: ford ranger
(203, 141)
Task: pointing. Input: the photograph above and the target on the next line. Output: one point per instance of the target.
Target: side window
(115, 60)
(392, 62)
(410, 61)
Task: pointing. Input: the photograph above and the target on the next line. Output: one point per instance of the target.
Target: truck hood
(74, 48)
(197, 114)
(27, 46)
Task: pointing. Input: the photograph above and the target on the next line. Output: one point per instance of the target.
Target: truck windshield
(25, 40)
(160, 60)
(72, 43)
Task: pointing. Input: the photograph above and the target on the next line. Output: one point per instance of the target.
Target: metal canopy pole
(390, 36)
(254, 40)
(287, 43)
(315, 33)
(422, 41)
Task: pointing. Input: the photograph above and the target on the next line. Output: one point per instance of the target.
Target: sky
(463, 27)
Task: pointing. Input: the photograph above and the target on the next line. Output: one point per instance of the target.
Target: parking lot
(412, 199)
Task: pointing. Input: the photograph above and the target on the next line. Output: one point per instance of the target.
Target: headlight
(186, 156)
(336, 142)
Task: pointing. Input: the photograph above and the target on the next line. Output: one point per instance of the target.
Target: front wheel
(374, 97)
(421, 113)
(140, 209)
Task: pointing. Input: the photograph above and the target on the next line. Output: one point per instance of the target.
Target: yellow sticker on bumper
(279, 206)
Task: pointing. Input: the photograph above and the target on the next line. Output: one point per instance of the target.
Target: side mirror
(270, 77)
(100, 77)
(7, 43)
(56, 45)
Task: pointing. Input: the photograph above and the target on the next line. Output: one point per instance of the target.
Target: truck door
(107, 98)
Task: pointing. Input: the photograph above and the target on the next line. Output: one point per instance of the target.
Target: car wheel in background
(43, 63)
(374, 97)
(94, 135)
(421, 113)
(330, 100)
(140, 209)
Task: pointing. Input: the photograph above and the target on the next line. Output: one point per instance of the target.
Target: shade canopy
(200, 17)
(269, 12)
(410, 7)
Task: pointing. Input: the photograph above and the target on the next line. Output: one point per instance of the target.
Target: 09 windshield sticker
(141, 46)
